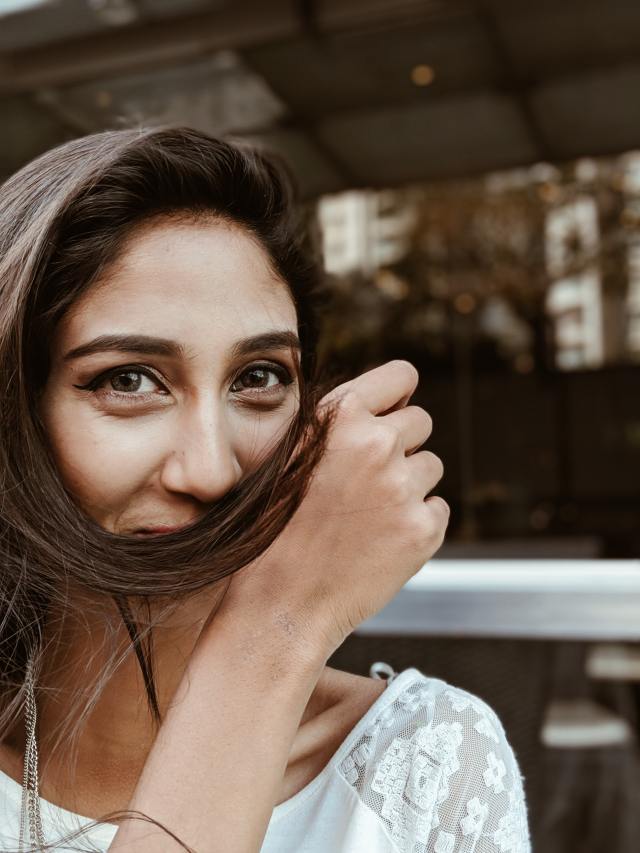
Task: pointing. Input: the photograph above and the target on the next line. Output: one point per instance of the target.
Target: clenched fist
(367, 523)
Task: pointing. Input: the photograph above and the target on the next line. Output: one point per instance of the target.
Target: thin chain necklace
(30, 817)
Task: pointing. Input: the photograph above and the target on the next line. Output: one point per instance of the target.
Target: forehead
(186, 280)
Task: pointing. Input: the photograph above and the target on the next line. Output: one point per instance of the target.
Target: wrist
(272, 635)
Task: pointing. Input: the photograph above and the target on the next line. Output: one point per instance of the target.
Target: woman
(191, 527)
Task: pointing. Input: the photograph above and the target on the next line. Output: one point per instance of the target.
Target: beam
(516, 87)
(149, 45)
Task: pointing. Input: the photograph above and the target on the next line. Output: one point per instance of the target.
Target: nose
(202, 462)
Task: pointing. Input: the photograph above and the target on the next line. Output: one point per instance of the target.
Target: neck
(117, 732)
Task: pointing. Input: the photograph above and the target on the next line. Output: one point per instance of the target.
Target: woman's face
(172, 377)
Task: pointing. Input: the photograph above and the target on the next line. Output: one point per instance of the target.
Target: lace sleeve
(436, 768)
(481, 807)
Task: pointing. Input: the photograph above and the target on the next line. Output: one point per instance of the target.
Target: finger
(426, 471)
(383, 389)
(413, 424)
(438, 513)
(438, 507)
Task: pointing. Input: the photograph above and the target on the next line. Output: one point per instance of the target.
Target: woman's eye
(131, 381)
(262, 378)
(125, 382)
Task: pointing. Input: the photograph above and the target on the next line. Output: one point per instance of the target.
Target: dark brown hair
(64, 218)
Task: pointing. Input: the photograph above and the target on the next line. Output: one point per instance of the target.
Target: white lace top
(426, 770)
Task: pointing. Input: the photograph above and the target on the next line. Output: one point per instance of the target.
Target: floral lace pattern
(436, 768)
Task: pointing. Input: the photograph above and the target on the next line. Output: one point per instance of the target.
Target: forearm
(217, 765)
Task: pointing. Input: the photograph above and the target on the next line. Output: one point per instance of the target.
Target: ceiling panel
(318, 76)
(595, 112)
(157, 9)
(314, 170)
(27, 131)
(47, 23)
(57, 20)
(456, 136)
(548, 37)
(217, 95)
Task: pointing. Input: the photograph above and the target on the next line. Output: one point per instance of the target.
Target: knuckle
(350, 400)
(416, 529)
(424, 525)
(382, 439)
(428, 421)
(439, 504)
(438, 513)
(399, 486)
(410, 369)
(436, 466)
(423, 422)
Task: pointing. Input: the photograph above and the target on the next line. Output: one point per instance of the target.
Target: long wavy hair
(64, 218)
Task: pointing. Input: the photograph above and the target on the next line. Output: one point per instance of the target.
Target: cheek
(101, 466)
(256, 435)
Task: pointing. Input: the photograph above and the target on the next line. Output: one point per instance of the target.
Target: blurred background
(473, 170)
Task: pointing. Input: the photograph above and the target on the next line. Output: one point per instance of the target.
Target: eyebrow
(147, 345)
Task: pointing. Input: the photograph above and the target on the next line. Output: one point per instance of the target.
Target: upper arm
(436, 768)
(481, 806)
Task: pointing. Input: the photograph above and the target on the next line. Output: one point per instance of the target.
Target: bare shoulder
(339, 701)
(356, 691)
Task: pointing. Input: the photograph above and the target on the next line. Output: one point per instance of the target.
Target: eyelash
(283, 374)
